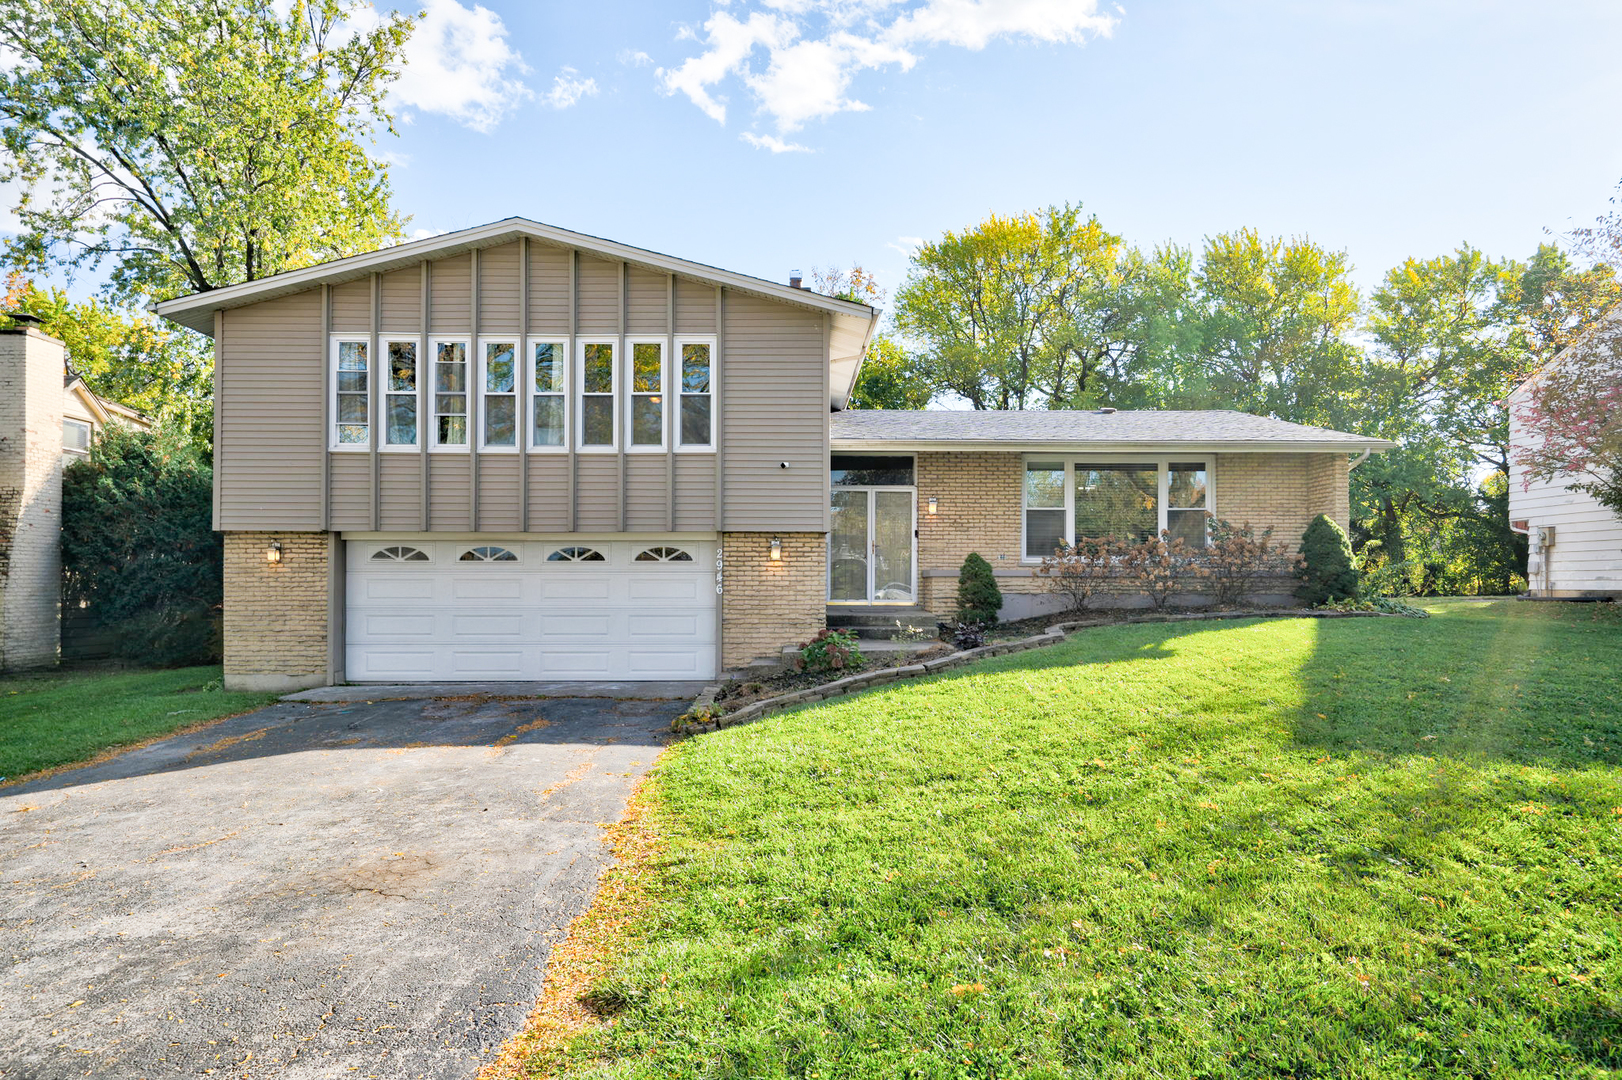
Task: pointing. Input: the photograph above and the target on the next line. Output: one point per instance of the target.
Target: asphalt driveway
(312, 890)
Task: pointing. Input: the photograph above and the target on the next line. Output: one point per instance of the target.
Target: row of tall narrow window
(494, 553)
(647, 415)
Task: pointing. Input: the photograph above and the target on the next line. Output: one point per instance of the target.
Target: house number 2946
(720, 560)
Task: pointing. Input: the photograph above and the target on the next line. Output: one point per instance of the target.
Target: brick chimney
(794, 279)
(31, 369)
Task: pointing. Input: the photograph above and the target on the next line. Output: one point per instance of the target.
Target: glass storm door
(870, 546)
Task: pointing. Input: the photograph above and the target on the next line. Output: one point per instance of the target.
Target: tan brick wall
(276, 615)
(31, 399)
(766, 605)
(979, 504)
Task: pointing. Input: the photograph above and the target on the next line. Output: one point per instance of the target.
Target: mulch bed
(736, 693)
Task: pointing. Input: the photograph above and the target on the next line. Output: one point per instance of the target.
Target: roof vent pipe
(794, 279)
(1107, 409)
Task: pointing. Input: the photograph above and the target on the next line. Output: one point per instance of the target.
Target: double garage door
(426, 610)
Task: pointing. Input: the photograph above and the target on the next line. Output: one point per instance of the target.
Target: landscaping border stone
(703, 716)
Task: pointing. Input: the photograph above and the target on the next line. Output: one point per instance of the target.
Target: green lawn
(1342, 848)
(64, 717)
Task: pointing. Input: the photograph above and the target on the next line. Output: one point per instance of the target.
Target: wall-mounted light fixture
(777, 549)
(933, 505)
(273, 554)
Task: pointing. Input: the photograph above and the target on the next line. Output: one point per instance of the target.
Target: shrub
(1237, 557)
(1080, 570)
(1326, 571)
(1160, 566)
(830, 650)
(978, 598)
(969, 635)
(138, 546)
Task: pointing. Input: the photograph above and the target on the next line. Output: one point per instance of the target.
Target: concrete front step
(880, 623)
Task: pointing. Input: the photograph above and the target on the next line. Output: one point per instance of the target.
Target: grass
(62, 718)
(1348, 848)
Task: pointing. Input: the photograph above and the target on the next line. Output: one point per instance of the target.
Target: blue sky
(1387, 129)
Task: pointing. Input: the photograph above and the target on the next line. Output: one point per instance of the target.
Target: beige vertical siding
(271, 382)
(351, 490)
(695, 307)
(774, 380)
(598, 493)
(649, 296)
(695, 491)
(499, 493)
(548, 288)
(402, 301)
(498, 290)
(599, 296)
(645, 503)
(548, 493)
(452, 299)
(272, 374)
(449, 492)
(352, 307)
(400, 479)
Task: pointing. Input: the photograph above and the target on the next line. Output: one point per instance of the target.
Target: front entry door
(870, 547)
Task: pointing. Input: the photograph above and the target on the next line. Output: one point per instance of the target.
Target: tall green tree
(890, 379)
(987, 308)
(195, 144)
(1276, 316)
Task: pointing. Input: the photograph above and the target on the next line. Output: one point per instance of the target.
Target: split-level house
(518, 452)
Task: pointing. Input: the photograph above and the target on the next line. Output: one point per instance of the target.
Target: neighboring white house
(1576, 544)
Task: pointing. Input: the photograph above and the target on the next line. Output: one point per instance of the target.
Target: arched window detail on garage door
(487, 554)
(399, 554)
(576, 554)
(664, 554)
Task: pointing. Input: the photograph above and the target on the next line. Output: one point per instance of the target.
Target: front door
(870, 547)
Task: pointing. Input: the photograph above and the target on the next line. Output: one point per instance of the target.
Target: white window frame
(89, 435)
(674, 410)
(334, 346)
(579, 395)
(431, 390)
(1160, 461)
(384, 393)
(520, 432)
(566, 352)
(630, 395)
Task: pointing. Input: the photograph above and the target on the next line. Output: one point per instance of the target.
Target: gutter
(1113, 446)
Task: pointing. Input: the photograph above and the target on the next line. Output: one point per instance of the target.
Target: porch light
(932, 506)
(777, 549)
(273, 554)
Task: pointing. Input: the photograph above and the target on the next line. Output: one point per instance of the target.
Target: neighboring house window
(400, 408)
(576, 554)
(647, 420)
(499, 392)
(400, 554)
(697, 415)
(353, 386)
(597, 422)
(664, 554)
(487, 554)
(76, 436)
(548, 388)
(450, 393)
(1131, 500)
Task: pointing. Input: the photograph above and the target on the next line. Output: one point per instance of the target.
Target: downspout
(1359, 459)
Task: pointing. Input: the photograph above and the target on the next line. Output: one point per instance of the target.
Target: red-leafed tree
(1573, 412)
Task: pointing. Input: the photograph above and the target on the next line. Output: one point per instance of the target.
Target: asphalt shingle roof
(1087, 427)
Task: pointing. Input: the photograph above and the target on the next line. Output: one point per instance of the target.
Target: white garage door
(422, 610)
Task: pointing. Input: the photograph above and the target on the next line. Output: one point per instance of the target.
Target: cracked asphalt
(310, 890)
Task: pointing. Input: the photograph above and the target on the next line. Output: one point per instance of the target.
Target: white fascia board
(197, 310)
(1377, 446)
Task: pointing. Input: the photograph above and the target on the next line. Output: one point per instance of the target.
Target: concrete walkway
(310, 891)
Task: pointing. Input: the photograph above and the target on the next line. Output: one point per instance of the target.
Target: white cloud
(633, 58)
(906, 244)
(773, 143)
(459, 64)
(568, 88)
(815, 48)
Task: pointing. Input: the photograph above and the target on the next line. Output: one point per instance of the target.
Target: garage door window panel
(576, 554)
(664, 554)
(400, 553)
(488, 554)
